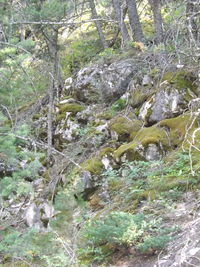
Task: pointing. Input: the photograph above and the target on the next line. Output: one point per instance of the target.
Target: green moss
(144, 137)
(181, 80)
(106, 151)
(177, 127)
(70, 107)
(60, 117)
(46, 176)
(107, 115)
(128, 149)
(15, 264)
(36, 116)
(125, 127)
(93, 165)
(139, 95)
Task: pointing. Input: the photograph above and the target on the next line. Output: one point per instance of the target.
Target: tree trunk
(54, 88)
(158, 22)
(121, 23)
(98, 24)
(134, 21)
(192, 13)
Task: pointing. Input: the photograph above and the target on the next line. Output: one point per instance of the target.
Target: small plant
(118, 105)
(31, 246)
(122, 229)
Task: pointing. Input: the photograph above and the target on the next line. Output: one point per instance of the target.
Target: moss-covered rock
(124, 127)
(70, 107)
(181, 79)
(93, 165)
(177, 127)
(172, 97)
(138, 94)
(135, 150)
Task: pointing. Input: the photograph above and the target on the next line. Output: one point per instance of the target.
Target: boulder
(116, 78)
(105, 83)
(123, 127)
(149, 144)
(66, 130)
(138, 94)
(172, 98)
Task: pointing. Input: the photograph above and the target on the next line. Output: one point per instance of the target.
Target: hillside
(99, 136)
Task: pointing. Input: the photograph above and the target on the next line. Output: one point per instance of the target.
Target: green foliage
(137, 181)
(20, 83)
(107, 53)
(78, 54)
(118, 105)
(23, 164)
(33, 246)
(48, 10)
(121, 228)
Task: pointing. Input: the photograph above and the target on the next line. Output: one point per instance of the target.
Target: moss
(60, 117)
(181, 80)
(125, 127)
(177, 127)
(70, 107)
(106, 151)
(15, 264)
(36, 116)
(43, 161)
(107, 115)
(93, 165)
(139, 95)
(46, 176)
(144, 137)
(128, 149)
(148, 195)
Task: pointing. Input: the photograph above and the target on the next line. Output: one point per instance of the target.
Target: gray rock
(5, 169)
(167, 103)
(102, 82)
(152, 152)
(146, 80)
(32, 216)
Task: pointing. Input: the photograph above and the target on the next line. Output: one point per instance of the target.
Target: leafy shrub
(32, 246)
(78, 55)
(122, 229)
(118, 105)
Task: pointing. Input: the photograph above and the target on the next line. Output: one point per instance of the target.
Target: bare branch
(62, 23)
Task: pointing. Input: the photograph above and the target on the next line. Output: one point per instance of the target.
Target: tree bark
(134, 21)
(121, 23)
(158, 22)
(54, 88)
(192, 13)
(98, 24)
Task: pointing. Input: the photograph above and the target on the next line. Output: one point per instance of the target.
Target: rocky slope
(127, 139)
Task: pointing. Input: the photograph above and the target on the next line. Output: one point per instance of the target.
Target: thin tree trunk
(158, 22)
(98, 24)
(134, 21)
(121, 23)
(50, 119)
(53, 90)
(192, 12)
